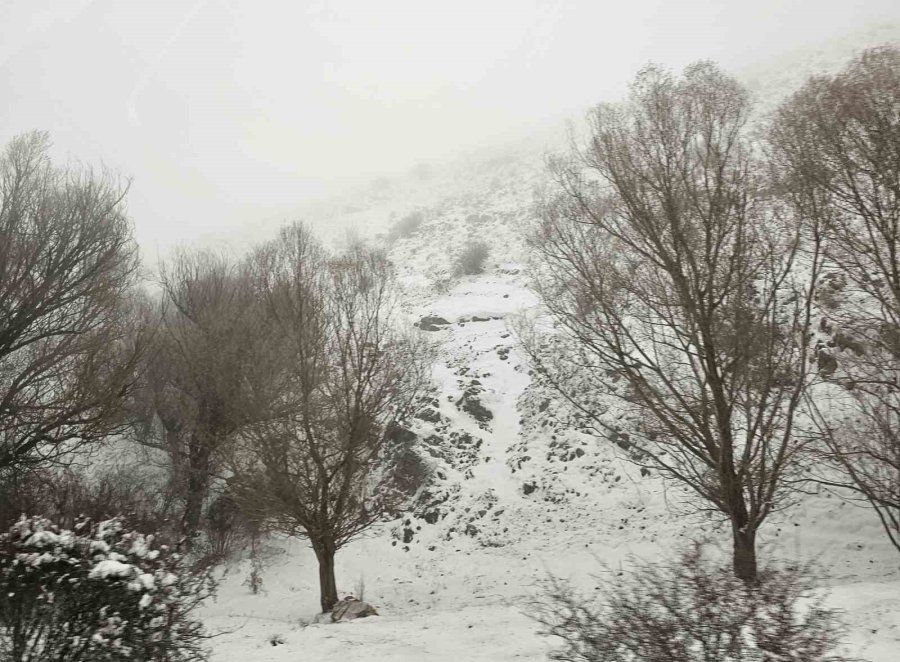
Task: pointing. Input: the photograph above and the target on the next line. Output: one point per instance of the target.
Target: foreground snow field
(460, 588)
(466, 602)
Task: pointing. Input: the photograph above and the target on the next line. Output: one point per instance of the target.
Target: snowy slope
(522, 492)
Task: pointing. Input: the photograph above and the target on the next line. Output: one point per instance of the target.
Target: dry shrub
(406, 226)
(66, 495)
(471, 261)
(691, 610)
(227, 528)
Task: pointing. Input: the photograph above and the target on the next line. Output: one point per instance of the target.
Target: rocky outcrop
(471, 404)
(432, 323)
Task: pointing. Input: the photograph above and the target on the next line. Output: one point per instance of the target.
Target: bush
(96, 592)
(224, 528)
(65, 496)
(406, 226)
(691, 610)
(471, 261)
(227, 528)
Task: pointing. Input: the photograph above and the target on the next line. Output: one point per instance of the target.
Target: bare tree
(209, 344)
(345, 378)
(836, 143)
(665, 266)
(68, 341)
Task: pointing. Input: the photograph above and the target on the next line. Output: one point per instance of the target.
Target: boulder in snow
(350, 608)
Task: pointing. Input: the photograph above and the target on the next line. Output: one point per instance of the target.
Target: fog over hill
(369, 207)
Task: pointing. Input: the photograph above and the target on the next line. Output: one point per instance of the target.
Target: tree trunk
(744, 560)
(327, 586)
(196, 488)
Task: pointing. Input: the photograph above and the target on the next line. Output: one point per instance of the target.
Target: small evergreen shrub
(96, 592)
(471, 261)
(691, 610)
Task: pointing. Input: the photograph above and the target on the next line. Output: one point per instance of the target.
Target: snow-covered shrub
(691, 610)
(96, 592)
(471, 261)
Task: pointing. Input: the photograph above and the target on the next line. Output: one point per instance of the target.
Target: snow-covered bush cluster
(692, 610)
(96, 592)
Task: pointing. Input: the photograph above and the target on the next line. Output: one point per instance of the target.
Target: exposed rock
(432, 323)
(470, 404)
(528, 488)
(432, 516)
(350, 608)
(400, 435)
(409, 472)
(429, 414)
(620, 439)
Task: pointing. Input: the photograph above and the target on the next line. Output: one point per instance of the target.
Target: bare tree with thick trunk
(669, 273)
(69, 340)
(836, 143)
(209, 344)
(345, 378)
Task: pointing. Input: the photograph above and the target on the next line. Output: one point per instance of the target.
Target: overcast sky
(226, 111)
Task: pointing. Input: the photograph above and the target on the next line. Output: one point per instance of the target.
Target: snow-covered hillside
(516, 490)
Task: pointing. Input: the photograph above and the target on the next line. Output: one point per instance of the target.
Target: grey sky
(226, 111)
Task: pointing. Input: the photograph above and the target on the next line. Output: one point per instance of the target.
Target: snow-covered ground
(517, 495)
(460, 593)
